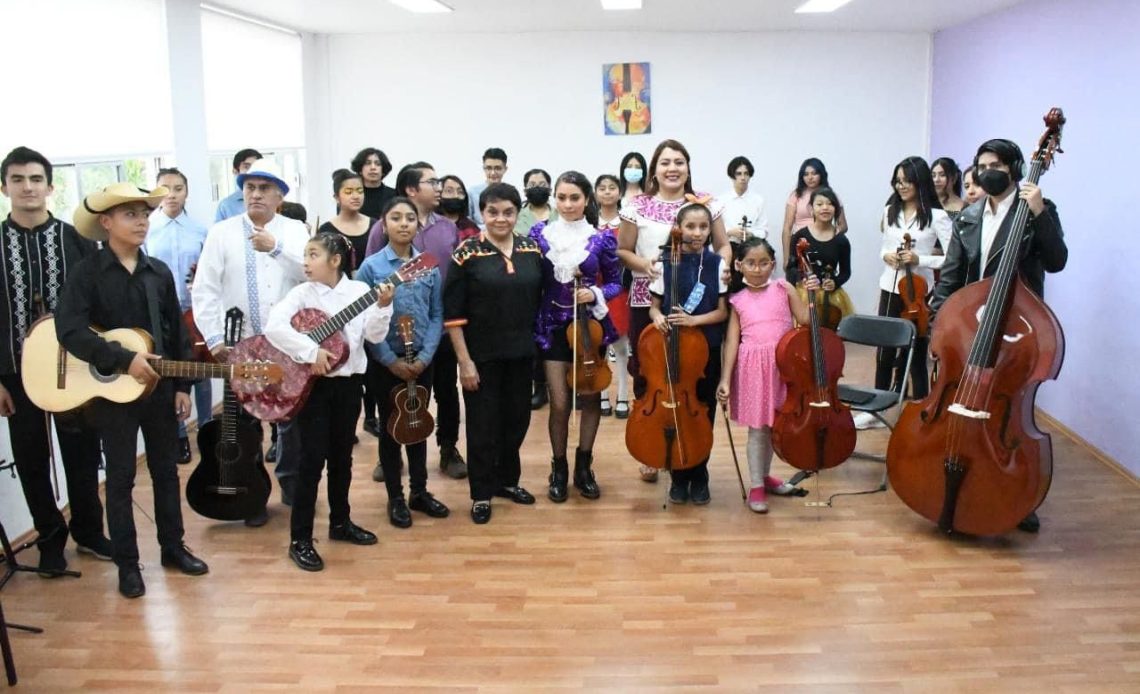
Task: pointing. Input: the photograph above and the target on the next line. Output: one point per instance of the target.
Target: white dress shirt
(371, 324)
(231, 273)
(991, 223)
(748, 206)
(940, 229)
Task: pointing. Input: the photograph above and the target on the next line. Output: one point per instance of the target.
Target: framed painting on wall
(625, 90)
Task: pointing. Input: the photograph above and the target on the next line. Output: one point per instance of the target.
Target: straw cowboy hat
(264, 169)
(87, 214)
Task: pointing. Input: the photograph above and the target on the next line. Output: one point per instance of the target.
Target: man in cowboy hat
(251, 261)
(32, 239)
(122, 287)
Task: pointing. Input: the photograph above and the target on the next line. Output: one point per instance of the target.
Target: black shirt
(374, 200)
(34, 264)
(359, 243)
(828, 258)
(101, 292)
(494, 298)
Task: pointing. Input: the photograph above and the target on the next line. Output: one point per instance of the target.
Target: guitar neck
(342, 318)
(193, 370)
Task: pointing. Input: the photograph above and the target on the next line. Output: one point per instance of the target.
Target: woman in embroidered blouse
(797, 213)
(646, 222)
(575, 254)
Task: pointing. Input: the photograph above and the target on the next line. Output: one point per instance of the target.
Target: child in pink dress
(762, 312)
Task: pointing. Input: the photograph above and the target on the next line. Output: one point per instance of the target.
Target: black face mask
(452, 205)
(537, 196)
(993, 181)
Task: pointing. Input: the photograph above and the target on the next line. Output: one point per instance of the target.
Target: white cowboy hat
(86, 216)
(266, 169)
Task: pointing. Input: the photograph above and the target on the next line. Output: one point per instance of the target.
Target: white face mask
(633, 175)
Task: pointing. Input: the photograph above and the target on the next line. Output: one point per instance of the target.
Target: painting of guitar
(57, 381)
(229, 483)
(284, 400)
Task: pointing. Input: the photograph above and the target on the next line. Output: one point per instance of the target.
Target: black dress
(358, 243)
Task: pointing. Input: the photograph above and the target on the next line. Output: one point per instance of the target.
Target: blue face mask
(633, 175)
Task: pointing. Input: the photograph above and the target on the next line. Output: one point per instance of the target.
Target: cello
(912, 295)
(668, 426)
(813, 430)
(970, 457)
(590, 372)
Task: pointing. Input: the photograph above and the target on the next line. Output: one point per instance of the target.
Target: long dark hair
(632, 156)
(740, 252)
(579, 180)
(953, 173)
(819, 169)
(335, 243)
(650, 185)
(918, 174)
(462, 186)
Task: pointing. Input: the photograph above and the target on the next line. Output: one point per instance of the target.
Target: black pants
(389, 449)
(324, 428)
(890, 363)
(79, 450)
(706, 393)
(370, 396)
(118, 426)
(445, 376)
(638, 320)
(498, 416)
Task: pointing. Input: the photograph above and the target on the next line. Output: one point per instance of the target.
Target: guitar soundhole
(102, 377)
(227, 452)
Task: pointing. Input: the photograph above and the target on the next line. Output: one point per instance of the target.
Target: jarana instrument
(410, 422)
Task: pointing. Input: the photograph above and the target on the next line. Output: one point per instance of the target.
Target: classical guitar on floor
(57, 381)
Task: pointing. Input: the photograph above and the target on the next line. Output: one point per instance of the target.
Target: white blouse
(940, 229)
(655, 218)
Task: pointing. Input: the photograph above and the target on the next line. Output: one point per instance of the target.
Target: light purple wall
(996, 77)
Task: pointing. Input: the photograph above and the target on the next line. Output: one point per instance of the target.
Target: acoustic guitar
(57, 381)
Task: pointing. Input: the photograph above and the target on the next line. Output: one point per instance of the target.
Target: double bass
(813, 430)
(970, 457)
(590, 372)
(669, 427)
(912, 294)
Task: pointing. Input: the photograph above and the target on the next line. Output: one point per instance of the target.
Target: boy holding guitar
(121, 287)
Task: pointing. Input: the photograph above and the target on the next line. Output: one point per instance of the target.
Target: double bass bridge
(963, 411)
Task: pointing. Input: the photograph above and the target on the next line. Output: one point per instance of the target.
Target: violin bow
(735, 459)
(574, 363)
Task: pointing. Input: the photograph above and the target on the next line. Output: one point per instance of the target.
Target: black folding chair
(883, 333)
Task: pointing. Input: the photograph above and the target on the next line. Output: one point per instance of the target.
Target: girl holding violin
(761, 313)
(646, 224)
(575, 255)
(830, 256)
(700, 294)
(607, 191)
(913, 209)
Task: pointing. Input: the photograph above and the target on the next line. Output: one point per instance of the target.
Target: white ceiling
(513, 16)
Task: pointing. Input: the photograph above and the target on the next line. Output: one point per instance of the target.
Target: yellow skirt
(837, 298)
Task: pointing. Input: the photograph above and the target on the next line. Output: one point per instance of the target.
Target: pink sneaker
(777, 486)
(758, 500)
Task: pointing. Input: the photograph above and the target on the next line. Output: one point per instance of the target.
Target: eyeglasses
(903, 184)
(433, 182)
(756, 264)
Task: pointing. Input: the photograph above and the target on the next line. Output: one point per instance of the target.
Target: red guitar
(284, 400)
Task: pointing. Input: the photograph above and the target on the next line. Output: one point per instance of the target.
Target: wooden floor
(618, 594)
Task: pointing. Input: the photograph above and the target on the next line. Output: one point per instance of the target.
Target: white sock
(759, 454)
(621, 372)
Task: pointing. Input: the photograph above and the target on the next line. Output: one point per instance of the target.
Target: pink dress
(757, 389)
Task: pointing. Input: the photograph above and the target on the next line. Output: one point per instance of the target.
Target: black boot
(583, 476)
(559, 475)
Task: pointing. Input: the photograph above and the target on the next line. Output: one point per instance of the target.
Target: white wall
(858, 101)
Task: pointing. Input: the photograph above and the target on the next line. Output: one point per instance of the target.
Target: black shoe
(378, 473)
(305, 555)
(271, 456)
(130, 582)
(516, 494)
(539, 398)
(183, 451)
(258, 519)
(699, 493)
(678, 493)
(559, 476)
(351, 532)
(1030, 524)
(452, 463)
(288, 486)
(51, 553)
(584, 480)
(607, 410)
(180, 558)
(398, 513)
(371, 427)
(481, 512)
(424, 502)
(98, 547)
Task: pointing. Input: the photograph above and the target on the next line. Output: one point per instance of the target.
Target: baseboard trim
(1106, 459)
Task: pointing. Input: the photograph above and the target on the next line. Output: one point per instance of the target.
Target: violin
(829, 313)
(668, 426)
(814, 430)
(970, 457)
(912, 293)
(590, 372)
(410, 421)
(199, 350)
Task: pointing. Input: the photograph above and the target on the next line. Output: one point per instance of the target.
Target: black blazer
(1044, 250)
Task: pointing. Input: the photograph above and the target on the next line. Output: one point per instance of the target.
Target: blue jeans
(203, 403)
